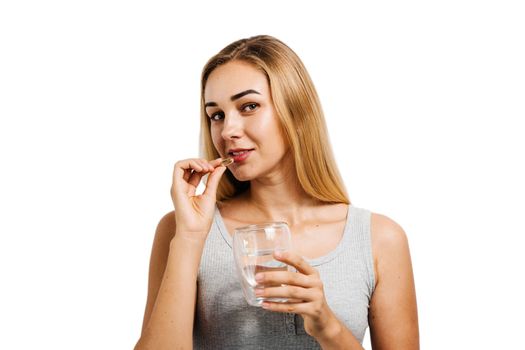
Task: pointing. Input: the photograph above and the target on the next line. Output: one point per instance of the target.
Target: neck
(280, 198)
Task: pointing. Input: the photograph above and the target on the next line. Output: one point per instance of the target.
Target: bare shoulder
(163, 236)
(389, 242)
(386, 233)
(166, 227)
(161, 244)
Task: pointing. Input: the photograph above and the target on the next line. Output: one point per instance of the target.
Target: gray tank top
(224, 320)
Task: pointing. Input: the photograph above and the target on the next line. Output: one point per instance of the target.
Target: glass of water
(253, 248)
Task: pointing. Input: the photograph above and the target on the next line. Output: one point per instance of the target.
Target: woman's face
(244, 124)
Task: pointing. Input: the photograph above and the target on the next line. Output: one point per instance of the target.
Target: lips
(240, 154)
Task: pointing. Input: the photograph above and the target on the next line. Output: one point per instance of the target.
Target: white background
(98, 99)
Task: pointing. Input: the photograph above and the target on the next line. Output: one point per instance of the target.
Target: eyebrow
(234, 97)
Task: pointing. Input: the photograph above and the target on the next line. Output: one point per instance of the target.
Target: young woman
(260, 108)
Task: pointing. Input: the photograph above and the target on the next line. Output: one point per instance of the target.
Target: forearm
(171, 323)
(337, 336)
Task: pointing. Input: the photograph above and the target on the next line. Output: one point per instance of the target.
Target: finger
(206, 166)
(213, 181)
(216, 162)
(285, 277)
(195, 179)
(291, 258)
(288, 292)
(296, 308)
(184, 167)
(196, 165)
(294, 301)
(187, 174)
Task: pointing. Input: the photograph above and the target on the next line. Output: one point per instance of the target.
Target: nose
(232, 126)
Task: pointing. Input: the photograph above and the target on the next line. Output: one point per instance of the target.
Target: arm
(175, 258)
(393, 309)
(305, 291)
(159, 257)
(168, 319)
(338, 337)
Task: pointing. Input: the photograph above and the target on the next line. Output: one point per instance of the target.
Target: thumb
(213, 181)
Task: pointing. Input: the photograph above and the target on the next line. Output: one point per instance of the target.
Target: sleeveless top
(224, 320)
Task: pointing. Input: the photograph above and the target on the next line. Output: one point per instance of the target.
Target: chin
(242, 175)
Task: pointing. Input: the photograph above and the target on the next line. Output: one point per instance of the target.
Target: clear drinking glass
(253, 248)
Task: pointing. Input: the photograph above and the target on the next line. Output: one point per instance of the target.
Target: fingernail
(259, 277)
(278, 254)
(259, 291)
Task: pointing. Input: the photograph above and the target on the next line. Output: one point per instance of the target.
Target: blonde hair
(299, 110)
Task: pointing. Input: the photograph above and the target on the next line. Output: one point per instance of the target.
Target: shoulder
(389, 243)
(165, 229)
(385, 231)
(167, 221)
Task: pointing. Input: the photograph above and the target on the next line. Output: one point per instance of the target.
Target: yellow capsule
(227, 161)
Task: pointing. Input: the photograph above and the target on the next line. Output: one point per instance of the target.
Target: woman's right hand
(194, 213)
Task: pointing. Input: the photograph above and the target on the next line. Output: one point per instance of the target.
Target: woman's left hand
(305, 292)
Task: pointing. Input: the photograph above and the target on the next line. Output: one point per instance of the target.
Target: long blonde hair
(299, 110)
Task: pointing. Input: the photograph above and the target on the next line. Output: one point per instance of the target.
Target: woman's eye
(250, 107)
(217, 116)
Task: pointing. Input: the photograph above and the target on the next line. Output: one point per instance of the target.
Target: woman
(260, 108)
